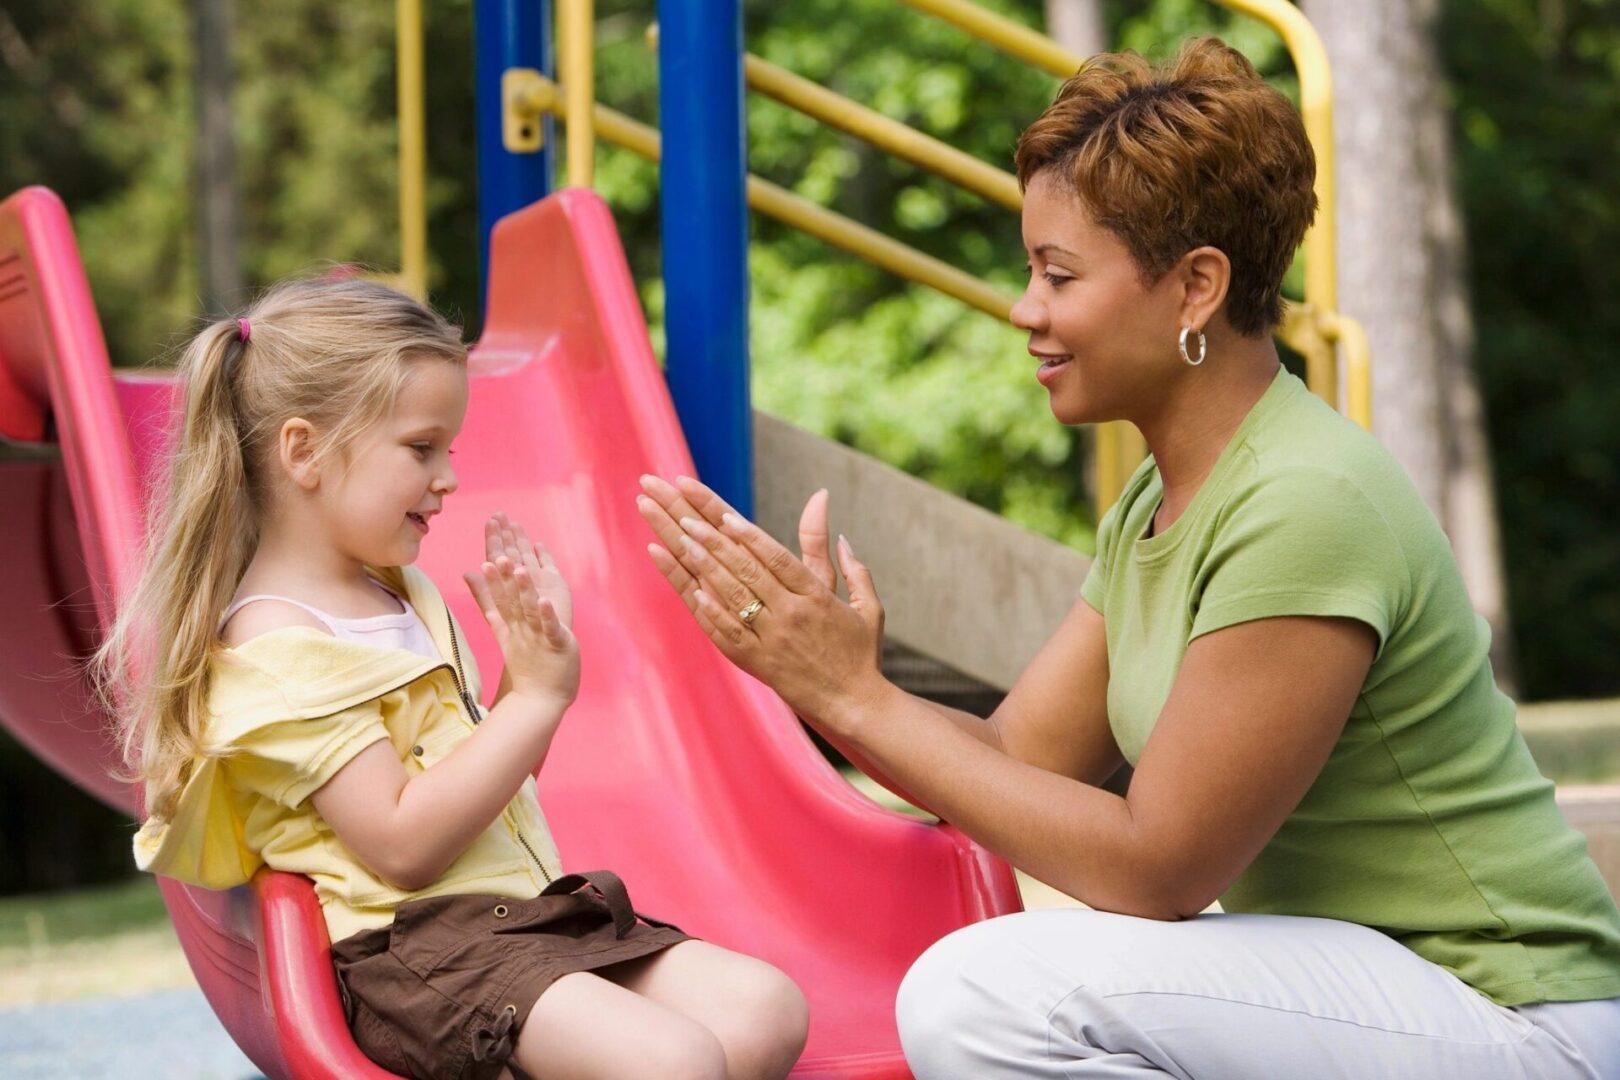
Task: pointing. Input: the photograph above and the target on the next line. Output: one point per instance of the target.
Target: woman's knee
(977, 1001)
(942, 1009)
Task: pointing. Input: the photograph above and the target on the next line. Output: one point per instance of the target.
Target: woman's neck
(1195, 423)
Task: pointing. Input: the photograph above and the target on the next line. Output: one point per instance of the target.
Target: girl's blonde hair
(334, 352)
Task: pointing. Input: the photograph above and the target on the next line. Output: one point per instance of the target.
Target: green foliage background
(96, 102)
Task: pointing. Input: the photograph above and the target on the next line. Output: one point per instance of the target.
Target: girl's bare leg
(587, 1028)
(757, 1013)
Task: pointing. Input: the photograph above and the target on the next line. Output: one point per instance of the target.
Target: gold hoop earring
(1203, 346)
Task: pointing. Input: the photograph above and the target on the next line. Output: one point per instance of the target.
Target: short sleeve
(1305, 541)
(289, 761)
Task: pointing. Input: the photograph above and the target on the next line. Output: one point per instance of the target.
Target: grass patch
(101, 911)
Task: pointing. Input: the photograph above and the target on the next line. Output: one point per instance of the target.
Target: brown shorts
(443, 991)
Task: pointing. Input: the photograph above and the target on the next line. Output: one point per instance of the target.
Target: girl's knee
(769, 1026)
(693, 1054)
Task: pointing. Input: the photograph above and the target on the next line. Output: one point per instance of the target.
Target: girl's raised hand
(503, 536)
(529, 609)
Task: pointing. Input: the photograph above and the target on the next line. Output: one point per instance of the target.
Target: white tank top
(404, 630)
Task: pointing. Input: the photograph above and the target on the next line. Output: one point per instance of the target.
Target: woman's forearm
(982, 728)
(1073, 836)
(978, 727)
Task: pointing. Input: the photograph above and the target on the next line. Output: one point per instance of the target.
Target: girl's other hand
(530, 610)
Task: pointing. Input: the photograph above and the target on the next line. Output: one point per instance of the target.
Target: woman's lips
(1050, 367)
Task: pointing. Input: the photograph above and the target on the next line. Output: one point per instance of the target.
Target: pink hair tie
(244, 330)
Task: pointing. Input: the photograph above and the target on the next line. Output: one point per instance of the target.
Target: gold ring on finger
(751, 612)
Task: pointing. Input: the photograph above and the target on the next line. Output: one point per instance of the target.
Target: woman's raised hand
(772, 615)
(530, 610)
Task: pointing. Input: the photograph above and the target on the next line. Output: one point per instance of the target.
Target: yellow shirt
(287, 710)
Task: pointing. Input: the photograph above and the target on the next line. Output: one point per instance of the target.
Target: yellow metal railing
(835, 110)
(410, 86)
(576, 19)
(1313, 328)
(533, 94)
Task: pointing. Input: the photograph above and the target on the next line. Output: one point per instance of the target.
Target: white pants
(1074, 993)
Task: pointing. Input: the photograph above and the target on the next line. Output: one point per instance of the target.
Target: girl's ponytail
(153, 667)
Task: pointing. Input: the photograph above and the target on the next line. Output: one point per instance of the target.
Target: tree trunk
(1402, 273)
(1077, 25)
(218, 230)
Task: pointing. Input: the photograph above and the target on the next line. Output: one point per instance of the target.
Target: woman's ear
(295, 450)
(1206, 274)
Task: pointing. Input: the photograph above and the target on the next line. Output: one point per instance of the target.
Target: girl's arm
(407, 829)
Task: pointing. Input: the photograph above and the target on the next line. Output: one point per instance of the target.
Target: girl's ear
(295, 450)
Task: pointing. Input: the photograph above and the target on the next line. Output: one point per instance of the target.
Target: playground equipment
(690, 778)
(686, 776)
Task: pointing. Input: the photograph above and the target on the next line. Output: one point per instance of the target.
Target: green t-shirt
(1430, 821)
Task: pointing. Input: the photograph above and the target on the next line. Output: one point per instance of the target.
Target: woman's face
(1106, 342)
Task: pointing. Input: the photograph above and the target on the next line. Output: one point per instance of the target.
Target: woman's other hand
(812, 648)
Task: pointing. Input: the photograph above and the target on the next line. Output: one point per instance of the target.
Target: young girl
(295, 694)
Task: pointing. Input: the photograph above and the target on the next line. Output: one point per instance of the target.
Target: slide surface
(688, 778)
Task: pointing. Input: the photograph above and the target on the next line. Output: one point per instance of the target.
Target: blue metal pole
(510, 33)
(705, 237)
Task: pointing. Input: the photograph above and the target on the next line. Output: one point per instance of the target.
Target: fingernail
(692, 525)
(646, 480)
(843, 545)
(730, 520)
(701, 596)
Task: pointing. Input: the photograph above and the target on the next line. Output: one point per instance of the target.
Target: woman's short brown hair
(1198, 152)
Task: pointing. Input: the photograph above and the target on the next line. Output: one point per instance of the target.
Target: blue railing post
(510, 33)
(705, 237)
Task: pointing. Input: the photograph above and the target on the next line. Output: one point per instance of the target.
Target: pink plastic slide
(690, 779)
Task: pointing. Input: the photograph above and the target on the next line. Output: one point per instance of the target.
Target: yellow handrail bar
(578, 21)
(1012, 38)
(835, 110)
(409, 88)
(535, 93)
(1358, 404)
(1316, 110)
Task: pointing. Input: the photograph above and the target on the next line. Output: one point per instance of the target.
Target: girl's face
(393, 479)
(1105, 340)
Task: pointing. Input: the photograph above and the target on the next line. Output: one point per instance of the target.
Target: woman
(1274, 633)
